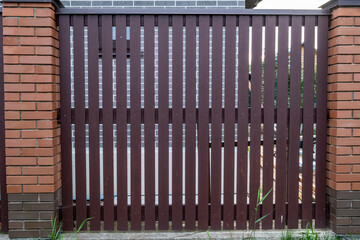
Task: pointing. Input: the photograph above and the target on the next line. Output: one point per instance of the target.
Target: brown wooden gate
(197, 132)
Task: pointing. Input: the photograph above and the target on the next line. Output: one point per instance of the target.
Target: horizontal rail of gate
(178, 120)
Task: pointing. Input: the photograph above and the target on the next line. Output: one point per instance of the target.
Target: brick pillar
(31, 76)
(343, 166)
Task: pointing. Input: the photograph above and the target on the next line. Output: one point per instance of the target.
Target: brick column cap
(330, 5)
(56, 3)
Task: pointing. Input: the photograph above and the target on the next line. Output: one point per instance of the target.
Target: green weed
(56, 229)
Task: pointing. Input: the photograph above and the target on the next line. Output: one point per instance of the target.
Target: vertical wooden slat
(255, 131)
(108, 151)
(229, 133)
(4, 198)
(321, 113)
(216, 131)
(149, 118)
(79, 98)
(308, 119)
(135, 120)
(281, 126)
(243, 123)
(203, 145)
(177, 122)
(121, 122)
(294, 126)
(190, 122)
(65, 102)
(94, 150)
(269, 93)
(163, 25)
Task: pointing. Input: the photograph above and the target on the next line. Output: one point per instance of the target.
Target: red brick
(35, 97)
(344, 68)
(38, 115)
(31, 78)
(347, 177)
(11, 40)
(338, 150)
(340, 96)
(19, 50)
(47, 69)
(37, 22)
(339, 168)
(8, 21)
(47, 124)
(19, 87)
(345, 31)
(47, 88)
(23, 161)
(338, 186)
(40, 152)
(39, 188)
(340, 114)
(20, 143)
(49, 160)
(11, 78)
(342, 21)
(19, 69)
(355, 186)
(343, 105)
(13, 170)
(357, 59)
(39, 134)
(14, 180)
(18, 31)
(12, 115)
(340, 132)
(357, 40)
(344, 123)
(340, 59)
(18, 12)
(14, 189)
(12, 97)
(345, 50)
(12, 134)
(356, 168)
(37, 41)
(40, 170)
(344, 141)
(20, 106)
(347, 77)
(47, 105)
(46, 32)
(341, 40)
(44, 12)
(343, 12)
(11, 59)
(340, 87)
(48, 142)
(357, 21)
(20, 124)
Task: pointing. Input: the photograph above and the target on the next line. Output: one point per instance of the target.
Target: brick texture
(31, 69)
(343, 176)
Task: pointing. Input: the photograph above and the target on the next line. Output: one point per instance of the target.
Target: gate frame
(342, 193)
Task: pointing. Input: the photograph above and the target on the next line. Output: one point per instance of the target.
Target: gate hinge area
(58, 117)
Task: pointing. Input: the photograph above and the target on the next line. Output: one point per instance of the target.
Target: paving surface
(193, 235)
(213, 235)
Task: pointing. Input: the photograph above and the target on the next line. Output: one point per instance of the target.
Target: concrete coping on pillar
(56, 3)
(340, 3)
